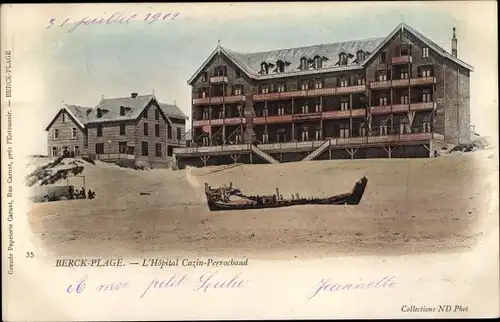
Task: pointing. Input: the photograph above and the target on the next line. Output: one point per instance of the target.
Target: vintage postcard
(249, 161)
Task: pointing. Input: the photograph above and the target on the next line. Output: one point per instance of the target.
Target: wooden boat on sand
(223, 198)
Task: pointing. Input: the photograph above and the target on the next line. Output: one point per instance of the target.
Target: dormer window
(122, 110)
(204, 77)
(303, 63)
(343, 59)
(99, 113)
(318, 62)
(264, 68)
(280, 66)
(360, 56)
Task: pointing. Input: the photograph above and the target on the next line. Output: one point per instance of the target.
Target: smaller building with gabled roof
(137, 128)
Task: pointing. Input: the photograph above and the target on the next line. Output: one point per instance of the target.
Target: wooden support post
(329, 153)
(251, 158)
(389, 150)
(281, 157)
(204, 160)
(350, 115)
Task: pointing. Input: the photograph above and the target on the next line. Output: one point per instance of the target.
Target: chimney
(454, 50)
(134, 95)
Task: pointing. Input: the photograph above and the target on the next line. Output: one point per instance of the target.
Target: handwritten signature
(115, 18)
(205, 282)
(328, 286)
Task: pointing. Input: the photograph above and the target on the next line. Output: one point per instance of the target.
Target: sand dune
(410, 206)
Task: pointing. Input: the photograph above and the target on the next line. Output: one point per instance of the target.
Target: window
(158, 150)
(220, 71)
(318, 62)
(280, 88)
(170, 150)
(304, 86)
(304, 134)
(99, 130)
(99, 148)
(157, 130)
(383, 101)
(179, 133)
(425, 52)
(361, 81)
(144, 148)
(238, 73)
(318, 84)
(344, 131)
(146, 132)
(264, 68)
(122, 128)
(344, 83)
(280, 66)
(265, 137)
(404, 73)
(56, 134)
(122, 110)
(426, 96)
(169, 131)
(317, 108)
(303, 63)
(305, 109)
(203, 93)
(343, 59)
(404, 99)
(281, 110)
(382, 57)
(344, 106)
(145, 113)
(264, 89)
(382, 76)
(54, 151)
(221, 114)
(426, 72)
(360, 57)
(404, 50)
(204, 77)
(63, 117)
(237, 91)
(318, 134)
(157, 115)
(383, 128)
(122, 147)
(73, 133)
(76, 150)
(99, 113)
(426, 127)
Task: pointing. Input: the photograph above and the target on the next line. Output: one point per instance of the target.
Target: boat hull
(352, 198)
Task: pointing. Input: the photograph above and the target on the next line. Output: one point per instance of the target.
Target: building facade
(135, 130)
(396, 96)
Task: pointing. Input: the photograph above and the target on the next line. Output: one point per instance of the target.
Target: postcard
(249, 161)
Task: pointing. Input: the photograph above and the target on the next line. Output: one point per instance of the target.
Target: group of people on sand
(80, 194)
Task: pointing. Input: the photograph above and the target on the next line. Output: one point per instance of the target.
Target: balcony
(218, 79)
(309, 93)
(398, 108)
(218, 100)
(306, 117)
(401, 60)
(212, 149)
(403, 82)
(283, 146)
(395, 138)
(273, 119)
(219, 122)
(336, 114)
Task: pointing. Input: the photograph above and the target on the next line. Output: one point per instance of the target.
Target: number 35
(30, 254)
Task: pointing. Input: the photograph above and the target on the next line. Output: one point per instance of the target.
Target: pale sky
(53, 65)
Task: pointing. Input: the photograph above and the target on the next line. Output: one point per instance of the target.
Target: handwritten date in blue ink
(109, 19)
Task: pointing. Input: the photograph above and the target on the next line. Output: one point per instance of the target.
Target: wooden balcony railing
(218, 122)
(272, 119)
(401, 60)
(218, 79)
(309, 93)
(396, 108)
(356, 141)
(219, 99)
(403, 82)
